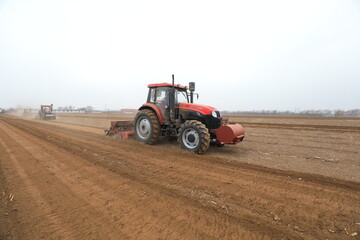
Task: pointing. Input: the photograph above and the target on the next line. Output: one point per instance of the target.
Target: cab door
(162, 103)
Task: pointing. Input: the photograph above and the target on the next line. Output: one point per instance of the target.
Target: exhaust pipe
(172, 101)
(191, 89)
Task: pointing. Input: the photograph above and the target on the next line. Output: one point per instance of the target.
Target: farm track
(72, 184)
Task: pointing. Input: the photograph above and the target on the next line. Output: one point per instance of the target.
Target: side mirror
(192, 86)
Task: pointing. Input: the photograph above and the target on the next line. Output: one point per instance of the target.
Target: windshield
(181, 96)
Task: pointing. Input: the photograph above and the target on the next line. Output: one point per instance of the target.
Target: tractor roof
(166, 85)
(46, 105)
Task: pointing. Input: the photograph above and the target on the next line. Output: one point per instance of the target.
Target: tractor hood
(203, 109)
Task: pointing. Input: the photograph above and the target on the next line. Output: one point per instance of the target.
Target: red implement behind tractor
(170, 111)
(120, 129)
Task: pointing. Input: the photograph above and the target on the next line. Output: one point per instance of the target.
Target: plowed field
(291, 178)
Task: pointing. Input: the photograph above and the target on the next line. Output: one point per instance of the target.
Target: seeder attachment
(120, 129)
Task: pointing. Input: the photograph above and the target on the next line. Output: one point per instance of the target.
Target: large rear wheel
(194, 137)
(147, 126)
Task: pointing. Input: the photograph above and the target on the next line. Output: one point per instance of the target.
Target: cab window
(152, 95)
(181, 97)
(161, 95)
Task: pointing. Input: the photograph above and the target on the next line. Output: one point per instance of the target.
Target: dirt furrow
(44, 220)
(107, 193)
(207, 218)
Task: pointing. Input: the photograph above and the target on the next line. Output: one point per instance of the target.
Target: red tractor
(46, 113)
(170, 111)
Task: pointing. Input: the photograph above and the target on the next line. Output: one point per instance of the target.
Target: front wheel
(194, 137)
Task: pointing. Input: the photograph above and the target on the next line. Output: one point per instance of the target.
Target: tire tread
(204, 136)
(155, 134)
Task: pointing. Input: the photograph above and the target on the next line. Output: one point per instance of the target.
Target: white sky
(243, 55)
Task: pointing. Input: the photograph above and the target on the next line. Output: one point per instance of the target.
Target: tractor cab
(159, 97)
(46, 108)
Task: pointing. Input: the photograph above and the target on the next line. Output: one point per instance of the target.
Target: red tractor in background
(46, 113)
(170, 111)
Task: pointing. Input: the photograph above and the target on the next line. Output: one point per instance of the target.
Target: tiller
(120, 129)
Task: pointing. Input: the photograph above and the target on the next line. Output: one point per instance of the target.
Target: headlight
(213, 113)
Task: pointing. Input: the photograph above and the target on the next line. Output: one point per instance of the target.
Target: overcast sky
(243, 55)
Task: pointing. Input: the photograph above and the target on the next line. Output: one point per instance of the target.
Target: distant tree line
(71, 108)
(319, 113)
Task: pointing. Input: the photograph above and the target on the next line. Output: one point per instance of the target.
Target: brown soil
(64, 181)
